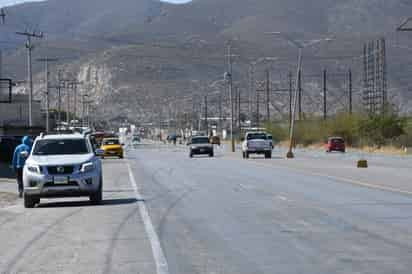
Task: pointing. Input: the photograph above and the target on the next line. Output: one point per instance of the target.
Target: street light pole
(295, 104)
(300, 47)
(229, 75)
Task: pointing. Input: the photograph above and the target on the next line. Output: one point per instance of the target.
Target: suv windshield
(61, 147)
(201, 140)
(111, 142)
(254, 136)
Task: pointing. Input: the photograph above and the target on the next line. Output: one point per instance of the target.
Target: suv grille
(59, 170)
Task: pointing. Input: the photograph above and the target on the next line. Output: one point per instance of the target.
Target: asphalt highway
(166, 213)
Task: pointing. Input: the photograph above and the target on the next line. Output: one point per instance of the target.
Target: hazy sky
(11, 2)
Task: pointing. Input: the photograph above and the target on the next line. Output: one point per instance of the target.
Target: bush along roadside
(357, 129)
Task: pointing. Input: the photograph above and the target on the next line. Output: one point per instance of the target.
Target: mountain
(149, 50)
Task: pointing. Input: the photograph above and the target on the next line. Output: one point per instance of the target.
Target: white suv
(62, 166)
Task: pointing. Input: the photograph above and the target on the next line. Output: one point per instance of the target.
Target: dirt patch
(7, 199)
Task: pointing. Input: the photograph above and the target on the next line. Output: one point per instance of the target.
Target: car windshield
(256, 136)
(201, 140)
(111, 142)
(61, 147)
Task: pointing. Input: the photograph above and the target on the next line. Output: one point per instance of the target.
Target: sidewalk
(8, 186)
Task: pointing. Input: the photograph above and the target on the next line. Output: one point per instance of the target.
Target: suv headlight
(34, 169)
(87, 167)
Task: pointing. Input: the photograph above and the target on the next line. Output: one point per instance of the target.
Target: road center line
(158, 255)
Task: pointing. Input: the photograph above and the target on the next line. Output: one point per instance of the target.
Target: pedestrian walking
(19, 160)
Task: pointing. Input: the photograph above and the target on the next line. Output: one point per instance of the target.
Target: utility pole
(30, 47)
(46, 83)
(251, 89)
(258, 90)
(230, 76)
(324, 95)
(257, 108)
(290, 97)
(3, 16)
(75, 84)
(59, 94)
(75, 99)
(88, 103)
(220, 112)
(68, 87)
(350, 91)
(300, 93)
(267, 95)
(206, 122)
(84, 108)
(238, 110)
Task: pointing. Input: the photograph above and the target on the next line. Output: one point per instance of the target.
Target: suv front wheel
(97, 197)
(30, 201)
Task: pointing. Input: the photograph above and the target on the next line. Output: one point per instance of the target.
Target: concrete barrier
(362, 164)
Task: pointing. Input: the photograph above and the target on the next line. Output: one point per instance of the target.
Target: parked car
(62, 166)
(136, 141)
(335, 144)
(214, 140)
(199, 145)
(256, 143)
(172, 138)
(112, 147)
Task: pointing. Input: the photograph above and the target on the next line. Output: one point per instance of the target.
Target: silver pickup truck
(256, 143)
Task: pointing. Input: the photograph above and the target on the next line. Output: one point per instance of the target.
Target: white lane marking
(158, 255)
(283, 198)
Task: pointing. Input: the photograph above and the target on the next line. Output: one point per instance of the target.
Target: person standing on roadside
(19, 161)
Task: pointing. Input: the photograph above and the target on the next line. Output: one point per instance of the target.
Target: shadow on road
(107, 202)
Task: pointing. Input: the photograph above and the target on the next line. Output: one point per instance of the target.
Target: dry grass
(387, 150)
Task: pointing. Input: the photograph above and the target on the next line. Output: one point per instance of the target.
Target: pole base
(290, 155)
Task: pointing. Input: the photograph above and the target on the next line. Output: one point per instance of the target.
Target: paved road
(222, 215)
(227, 215)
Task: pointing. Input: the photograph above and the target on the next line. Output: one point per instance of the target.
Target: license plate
(112, 152)
(61, 180)
(202, 150)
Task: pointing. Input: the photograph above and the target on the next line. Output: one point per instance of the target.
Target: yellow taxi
(112, 147)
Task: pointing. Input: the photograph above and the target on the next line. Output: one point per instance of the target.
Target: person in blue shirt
(19, 161)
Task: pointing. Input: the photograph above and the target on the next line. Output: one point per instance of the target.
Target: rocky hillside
(149, 50)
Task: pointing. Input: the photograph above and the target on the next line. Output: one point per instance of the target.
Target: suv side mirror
(99, 152)
(242, 139)
(24, 154)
